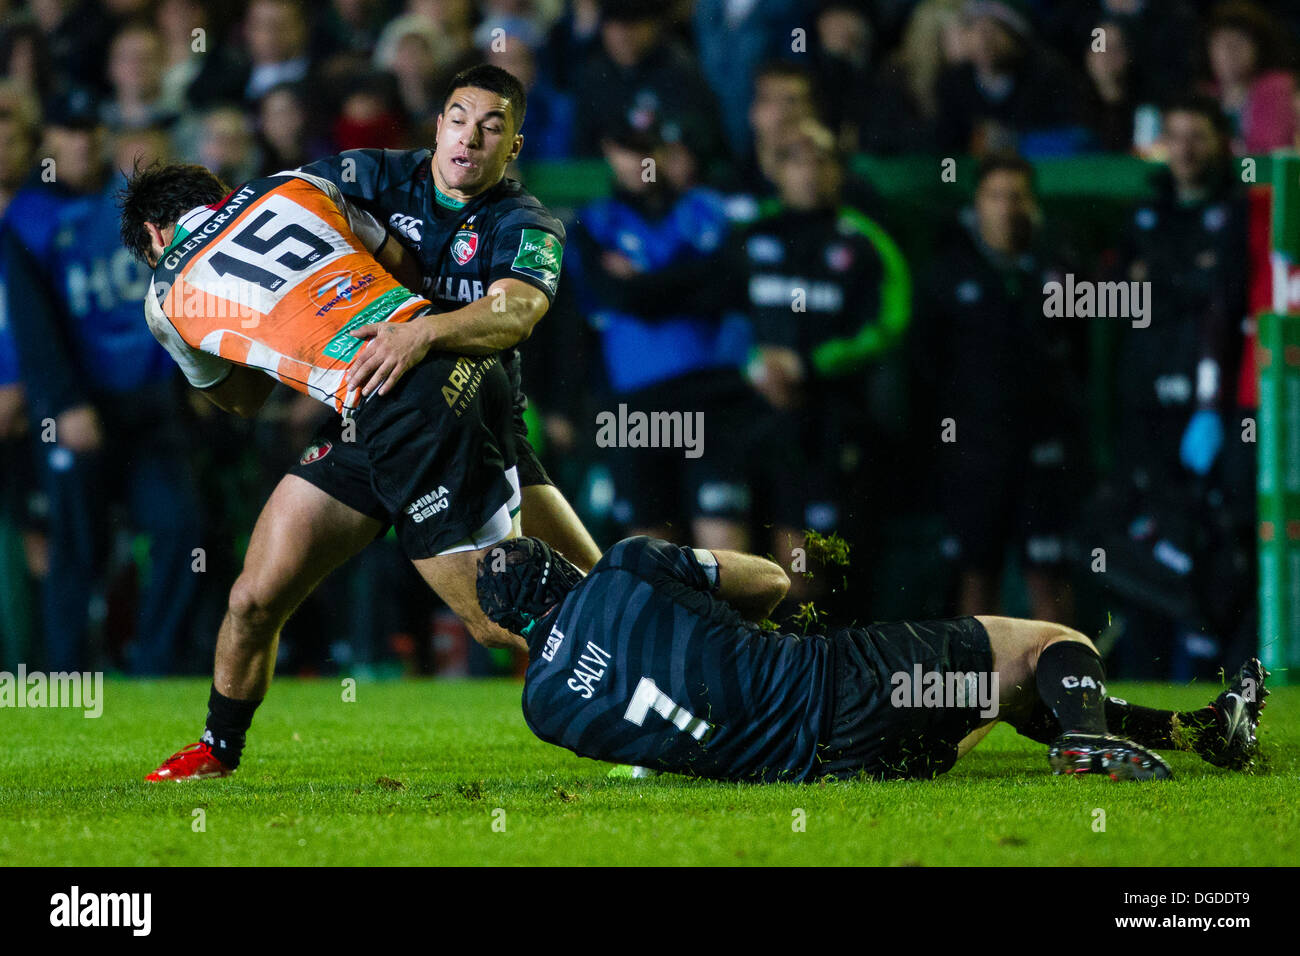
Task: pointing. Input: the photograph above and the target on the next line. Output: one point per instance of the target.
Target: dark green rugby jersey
(641, 665)
(504, 233)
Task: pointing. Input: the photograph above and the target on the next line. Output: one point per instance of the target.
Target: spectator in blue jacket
(677, 364)
(100, 391)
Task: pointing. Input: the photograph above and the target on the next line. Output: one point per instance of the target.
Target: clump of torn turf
(826, 548)
(806, 616)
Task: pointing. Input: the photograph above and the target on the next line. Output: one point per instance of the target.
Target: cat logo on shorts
(315, 452)
(464, 246)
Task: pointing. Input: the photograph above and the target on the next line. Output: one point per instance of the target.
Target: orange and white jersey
(274, 277)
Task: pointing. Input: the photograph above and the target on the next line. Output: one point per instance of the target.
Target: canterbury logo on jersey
(408, 226)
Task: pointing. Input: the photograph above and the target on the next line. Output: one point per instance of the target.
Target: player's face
(158, 240)
(475, 141)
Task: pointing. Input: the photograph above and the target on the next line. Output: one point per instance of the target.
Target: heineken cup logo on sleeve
(538, 257)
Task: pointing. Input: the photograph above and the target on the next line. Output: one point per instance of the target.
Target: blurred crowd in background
(871, 363)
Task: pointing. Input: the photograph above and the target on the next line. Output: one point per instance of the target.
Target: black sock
(1145, 726)
(228, 722)
(1072, 685)
(1142, 725)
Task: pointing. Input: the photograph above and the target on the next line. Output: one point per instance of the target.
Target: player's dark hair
(1202, 106)
(521, 580)
(1006, 163)
(161, 194)
(485, 76)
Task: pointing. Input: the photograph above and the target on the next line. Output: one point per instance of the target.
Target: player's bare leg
(301, 535)
(1016, 646)
(548, 515)
(972, 739)
(455, 579)
(1051, 689)
(1038, 661)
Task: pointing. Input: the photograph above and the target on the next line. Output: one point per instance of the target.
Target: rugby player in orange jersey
(267, 283)
(324, 512)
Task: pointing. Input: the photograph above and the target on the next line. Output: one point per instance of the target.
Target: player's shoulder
(400, 164)
(370, 169)
(641, 554)
(515, 207)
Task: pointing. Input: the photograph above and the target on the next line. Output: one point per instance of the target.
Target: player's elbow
(530, 314)
(767, 587)
(776, 584)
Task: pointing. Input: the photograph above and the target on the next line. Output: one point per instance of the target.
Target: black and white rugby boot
(1231, 741)
(1105, 755)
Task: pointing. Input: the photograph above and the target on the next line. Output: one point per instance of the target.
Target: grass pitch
(437, 772)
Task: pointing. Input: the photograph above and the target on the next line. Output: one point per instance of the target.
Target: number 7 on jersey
(648, 696)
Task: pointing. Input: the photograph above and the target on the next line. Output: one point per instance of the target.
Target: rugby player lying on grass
(275, 281)
(650, 660)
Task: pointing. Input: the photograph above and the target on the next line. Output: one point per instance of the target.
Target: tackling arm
(500, 320)
(754, 586)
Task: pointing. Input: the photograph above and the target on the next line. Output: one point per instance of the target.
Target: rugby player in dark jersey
(651, 659)
(489, 254)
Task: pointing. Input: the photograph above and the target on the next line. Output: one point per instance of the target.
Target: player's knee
(492, 636)
(1055, 633)
(254, 607)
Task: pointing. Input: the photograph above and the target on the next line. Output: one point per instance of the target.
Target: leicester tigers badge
(315, 452)
(464, 246)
